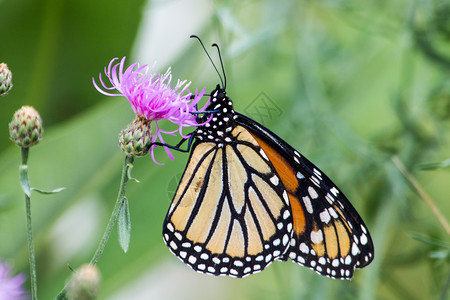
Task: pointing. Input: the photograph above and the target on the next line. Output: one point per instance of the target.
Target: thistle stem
(421, 191)
(112, 220)
(29, 228)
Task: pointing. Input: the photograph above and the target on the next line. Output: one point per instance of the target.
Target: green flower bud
(26, 128)
(84, 283)
(135, 140)
(5, 79)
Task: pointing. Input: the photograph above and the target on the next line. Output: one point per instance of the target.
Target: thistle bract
(5, 79)
(26, 128)
(135, 140)
(152, 97)
(84, 283)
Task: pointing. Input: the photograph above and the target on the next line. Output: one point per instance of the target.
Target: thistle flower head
(26, 128)
(135, 140)
(11, 287)
(5, 79)
(151, 97)
(84, 283)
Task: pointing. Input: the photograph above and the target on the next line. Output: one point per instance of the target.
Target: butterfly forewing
(220, 221)
(329, 236)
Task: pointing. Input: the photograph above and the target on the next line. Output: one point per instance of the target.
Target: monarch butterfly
(247, 198)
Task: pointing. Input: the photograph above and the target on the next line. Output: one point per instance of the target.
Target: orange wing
(329, 236)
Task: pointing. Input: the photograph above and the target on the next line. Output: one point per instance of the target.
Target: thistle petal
(151, 97)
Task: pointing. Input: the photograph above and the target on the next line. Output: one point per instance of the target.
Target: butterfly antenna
(210, 59)
(221, 63)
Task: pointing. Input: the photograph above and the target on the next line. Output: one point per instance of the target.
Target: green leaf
(54, 191)
(430, 241)
(124, 225)
(435, 165)
(24, 182)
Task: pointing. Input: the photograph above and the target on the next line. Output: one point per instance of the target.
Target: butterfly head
(223, 115)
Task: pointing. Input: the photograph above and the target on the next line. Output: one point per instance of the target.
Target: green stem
(29, 230)
(112, 220)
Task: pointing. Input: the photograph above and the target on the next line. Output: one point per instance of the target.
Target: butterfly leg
(204, 112)
(177, 147)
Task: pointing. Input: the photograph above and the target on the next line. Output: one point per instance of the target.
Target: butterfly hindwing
(230, 214)
(329, 236)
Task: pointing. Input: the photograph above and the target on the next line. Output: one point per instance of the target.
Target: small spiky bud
(135, 140)
(5, 79)
(84, 284)
(26, 128)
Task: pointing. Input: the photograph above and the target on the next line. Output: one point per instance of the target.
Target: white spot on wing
(263, 154)
(333, 212)
(316, 236)
(274, 180)
(312, 192)
(285, 239)
(334, 190)
(363, 229)
(308, 205)
(322, 260)
(355, 249)
(325, 216)
(315, 180)
(192, 259)
(329, 198)
(363, 239)
(285, 197)
(335, 263)
(173, 245)
(348, 260)
(304, 248)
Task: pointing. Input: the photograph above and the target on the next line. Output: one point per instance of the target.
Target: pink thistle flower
(11, 287)
(151, 97)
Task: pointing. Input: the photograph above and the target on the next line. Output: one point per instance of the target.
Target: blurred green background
(351, 84)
